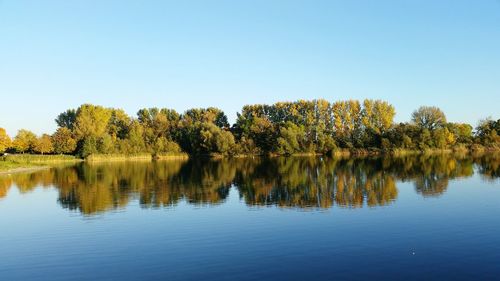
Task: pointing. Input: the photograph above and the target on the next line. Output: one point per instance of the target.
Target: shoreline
(32, 165)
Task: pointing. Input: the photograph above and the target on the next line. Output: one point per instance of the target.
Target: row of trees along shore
(284, 128)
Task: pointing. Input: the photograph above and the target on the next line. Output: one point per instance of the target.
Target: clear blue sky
(56, 55)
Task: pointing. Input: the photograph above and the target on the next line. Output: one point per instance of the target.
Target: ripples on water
(412, 218)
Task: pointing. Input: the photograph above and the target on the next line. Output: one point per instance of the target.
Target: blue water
(450, 235)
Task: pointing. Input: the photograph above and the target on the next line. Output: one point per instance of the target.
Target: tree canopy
(24, 141)
(283, 128)
(5, 141)
(429, 117)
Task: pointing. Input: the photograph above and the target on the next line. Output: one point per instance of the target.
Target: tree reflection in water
(295, 182)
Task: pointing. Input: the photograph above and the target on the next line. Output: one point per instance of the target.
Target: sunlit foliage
(284, 128)
(5, 141)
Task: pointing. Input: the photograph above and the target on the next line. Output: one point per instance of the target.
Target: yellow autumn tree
(24, 141)
(5, 141)
(43, 144)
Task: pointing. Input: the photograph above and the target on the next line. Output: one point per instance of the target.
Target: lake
(312, 218)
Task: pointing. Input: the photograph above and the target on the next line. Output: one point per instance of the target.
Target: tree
(206, 115)
(205, 131)
(43, 145)
(291, 138)
(262, 132)
(63, 141)
(164, 145)
(158, 123)
(325, 143)
(347, 121)
(118, 124)
(88, 146)
(429, 117)
(488, 132)
(207, 138)
(223, 141)
(425, 140)
(341, 118)
(24, 141)
(91, 120)
(136, 137)
(66, 119)
(439, 138)
(378, 115)
(404, 135)
(462, 132)
(5, 141)
(105, 144)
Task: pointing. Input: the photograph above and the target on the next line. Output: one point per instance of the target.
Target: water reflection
(286, 182)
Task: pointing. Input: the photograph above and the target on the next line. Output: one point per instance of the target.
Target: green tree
(208, 138)
(164, 145)
(118, 124)
(205, 131)
(89, 146)
(425, 140)
(135, 139)
(429, 117)
(291, 139)
(325, 143)
(462, 132)
(439, 138)
(66, 119)
(488, 132)
(224, 141)
(158, 123)
(264, 135)
(105, 144)
(206, 115)
(404, 136)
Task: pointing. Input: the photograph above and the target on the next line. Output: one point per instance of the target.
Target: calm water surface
(411, 218)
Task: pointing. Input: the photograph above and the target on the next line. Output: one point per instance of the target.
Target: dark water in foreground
(413, 218)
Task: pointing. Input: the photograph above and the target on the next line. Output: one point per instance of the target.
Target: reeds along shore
(33, 159)
(315, 127)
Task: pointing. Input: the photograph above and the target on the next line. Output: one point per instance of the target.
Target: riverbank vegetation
(10, 163)
(284, 128)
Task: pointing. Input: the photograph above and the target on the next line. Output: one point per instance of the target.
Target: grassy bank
(118, 157)
(25, 162)
(170, 156)
(135, 157)
(455, 150)
(21, 162)
(404, 152)
(39, 159)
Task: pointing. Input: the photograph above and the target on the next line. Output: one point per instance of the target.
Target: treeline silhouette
(295, 182)
(284, 128)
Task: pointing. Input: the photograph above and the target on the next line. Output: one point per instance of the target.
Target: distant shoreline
(301, 128)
